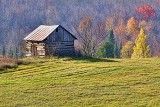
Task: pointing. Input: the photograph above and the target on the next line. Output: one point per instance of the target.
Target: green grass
(82, 82)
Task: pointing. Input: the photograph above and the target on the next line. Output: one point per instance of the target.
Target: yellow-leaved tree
(127, 50)
(141, 50)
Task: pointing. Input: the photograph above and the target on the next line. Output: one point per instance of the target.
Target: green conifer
(111, 38)
(10, 53)
(110, 45)
(4, 51)
(101, 53)
(116, 50)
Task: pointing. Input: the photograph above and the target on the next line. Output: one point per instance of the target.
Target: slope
(82, 82)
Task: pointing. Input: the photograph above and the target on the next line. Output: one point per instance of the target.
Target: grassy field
(82, 83)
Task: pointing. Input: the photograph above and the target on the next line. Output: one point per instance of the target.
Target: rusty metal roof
(41, 33)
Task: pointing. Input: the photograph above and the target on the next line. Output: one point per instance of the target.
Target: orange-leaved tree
(120, 31)
(132, 28)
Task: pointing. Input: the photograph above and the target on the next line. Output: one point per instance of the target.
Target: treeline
(137, 49)
(11, 53)
(90, 20)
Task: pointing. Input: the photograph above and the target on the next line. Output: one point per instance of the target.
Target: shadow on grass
(81, 58)
(3, 69)
(90, 59)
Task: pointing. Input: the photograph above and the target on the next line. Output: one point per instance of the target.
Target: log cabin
(50, 40)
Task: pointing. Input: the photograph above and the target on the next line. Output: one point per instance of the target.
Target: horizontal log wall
(28, 49)
(40, 47)
(60, 42)
(61, 48)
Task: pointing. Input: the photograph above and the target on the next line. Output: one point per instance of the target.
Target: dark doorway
(34, 50)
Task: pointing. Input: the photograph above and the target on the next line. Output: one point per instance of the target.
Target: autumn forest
(96, 22)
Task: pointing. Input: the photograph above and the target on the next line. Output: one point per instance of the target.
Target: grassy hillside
(82, 82)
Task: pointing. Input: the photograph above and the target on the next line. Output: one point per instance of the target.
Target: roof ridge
(50, 25)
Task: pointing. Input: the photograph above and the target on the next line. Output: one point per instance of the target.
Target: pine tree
(10, 53)
(116, 50)
(109, 50)
(110, 45)
(111, 38)
(141, 50)
(121, 46)
(3, 51)
(16, 52)
(105, 51)
(101, 53)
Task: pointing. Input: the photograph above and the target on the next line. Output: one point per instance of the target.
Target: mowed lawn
(67, 82)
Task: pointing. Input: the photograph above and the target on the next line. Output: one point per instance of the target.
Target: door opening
(34, 50)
